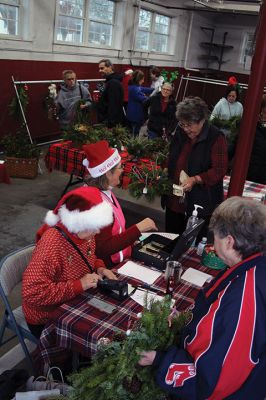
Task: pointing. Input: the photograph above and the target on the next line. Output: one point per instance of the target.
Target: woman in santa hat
(113, 243)
(64, 263)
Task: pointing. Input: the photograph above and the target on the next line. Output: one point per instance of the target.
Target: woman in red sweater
(58, 271)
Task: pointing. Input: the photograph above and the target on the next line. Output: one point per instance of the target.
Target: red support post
(251, 110)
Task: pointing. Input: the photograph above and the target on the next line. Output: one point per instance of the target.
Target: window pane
(159, 43)
(142, 42)
(161, 24)
(8, 20)
(101, 10)
(69, 29)
(73, 8)
(100, 33)
(145, 18)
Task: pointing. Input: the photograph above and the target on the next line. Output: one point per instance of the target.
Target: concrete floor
(24, 203)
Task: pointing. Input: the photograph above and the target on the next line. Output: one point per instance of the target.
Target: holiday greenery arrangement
(138, 147)
(18, 145)
(78, 134)
(115, 373)
(169, 76)
(49, 102)
(149, 180)
(14, 107)
(232, 125)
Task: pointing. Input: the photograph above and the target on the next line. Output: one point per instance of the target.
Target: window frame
(153, 33)
(86, 28)
(19, 21)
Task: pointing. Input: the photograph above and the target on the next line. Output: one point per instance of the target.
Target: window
(9, 17)
(85, 21)
(247, 48)
(153, 32)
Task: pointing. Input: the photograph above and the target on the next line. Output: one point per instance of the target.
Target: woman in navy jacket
(136, 98)
(223, 354)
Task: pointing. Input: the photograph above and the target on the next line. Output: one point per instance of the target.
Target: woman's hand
(146, 358)
(89, 281)
(82, 106)
(107, 273)
(146, 225)
(189, 183)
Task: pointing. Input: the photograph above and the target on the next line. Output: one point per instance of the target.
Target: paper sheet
(167, 235)
(196, 277)
(140, 297)
(140, 272)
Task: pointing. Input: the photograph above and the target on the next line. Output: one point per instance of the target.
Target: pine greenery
(115, 373)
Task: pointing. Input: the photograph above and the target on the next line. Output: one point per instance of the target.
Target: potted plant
(21, 155)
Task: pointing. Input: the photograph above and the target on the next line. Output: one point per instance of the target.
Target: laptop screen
(186, 239)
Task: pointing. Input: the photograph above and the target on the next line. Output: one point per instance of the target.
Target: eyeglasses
(166, 90)
(187, 125)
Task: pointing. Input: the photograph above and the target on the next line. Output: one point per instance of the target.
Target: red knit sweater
(53, 274)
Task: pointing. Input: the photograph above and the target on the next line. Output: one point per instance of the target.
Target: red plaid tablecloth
(250, 189)
(62, 157)
(77, 326)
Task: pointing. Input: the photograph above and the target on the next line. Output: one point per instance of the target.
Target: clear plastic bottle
(201, 246)
(193, 219)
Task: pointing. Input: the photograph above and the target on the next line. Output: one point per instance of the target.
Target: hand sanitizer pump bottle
(193, 219)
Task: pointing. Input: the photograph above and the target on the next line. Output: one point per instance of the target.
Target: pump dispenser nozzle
(195, 211)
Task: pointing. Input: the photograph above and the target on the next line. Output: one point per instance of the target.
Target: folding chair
(12, 267)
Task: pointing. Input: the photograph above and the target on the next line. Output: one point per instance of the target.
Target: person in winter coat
(114, 242)
(156, 80)
(137, 95)
(57, 272)
(200, 150)
(70, 94)
(223, 351)
(228, 106)
(257, 163)
(160, 111)
(110, 105)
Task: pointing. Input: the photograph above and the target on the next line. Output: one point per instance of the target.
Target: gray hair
(107, 63)
(192, 109)
(243, 219)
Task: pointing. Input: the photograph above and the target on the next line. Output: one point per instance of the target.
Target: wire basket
(22, 167)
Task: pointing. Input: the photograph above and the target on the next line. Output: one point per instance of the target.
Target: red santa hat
(81, 210)
(100, 158)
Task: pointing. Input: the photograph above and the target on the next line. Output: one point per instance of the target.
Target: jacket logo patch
(178, 373)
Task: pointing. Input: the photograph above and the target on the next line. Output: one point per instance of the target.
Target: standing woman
(228, 106)
(200, 150)
(161, 109)
(136, 98)
(113, 243)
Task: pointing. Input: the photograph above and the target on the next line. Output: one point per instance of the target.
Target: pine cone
(133, 385)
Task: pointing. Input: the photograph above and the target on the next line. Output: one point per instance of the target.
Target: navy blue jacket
(136, 98)
(224, 348)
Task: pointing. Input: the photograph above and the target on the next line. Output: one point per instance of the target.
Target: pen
(150, 288)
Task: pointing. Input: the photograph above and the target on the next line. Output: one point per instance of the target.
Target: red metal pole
(251, 110)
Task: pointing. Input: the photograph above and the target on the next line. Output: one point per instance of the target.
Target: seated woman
(58, 271)
(136, 97)
(113, 243)
(223, 352)
(160, 109)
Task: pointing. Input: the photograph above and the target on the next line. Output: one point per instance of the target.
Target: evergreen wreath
(149, 180)
(115, 373)
(231, 124)
(14, 107)
(169, 76)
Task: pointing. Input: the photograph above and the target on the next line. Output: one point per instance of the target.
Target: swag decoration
(49, 102)
(115, 373)
(142, 147)
(14, 107)
(169, 76)
(231, 125)
(149, 180)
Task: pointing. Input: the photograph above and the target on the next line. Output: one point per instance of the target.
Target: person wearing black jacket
(160, 109)
(110, 106)
(257, 163)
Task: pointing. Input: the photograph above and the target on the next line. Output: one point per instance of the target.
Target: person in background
(137, 95)
(70, 94)
(200, 150)
(156, 80)
(223, 351)
(126, 78)
(110, 105)
(257, 163)
(228, 106)
(114, 242)
(160, 111)
(57, 272)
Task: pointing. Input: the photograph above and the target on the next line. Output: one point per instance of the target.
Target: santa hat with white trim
(81, 210)
(100, 158)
